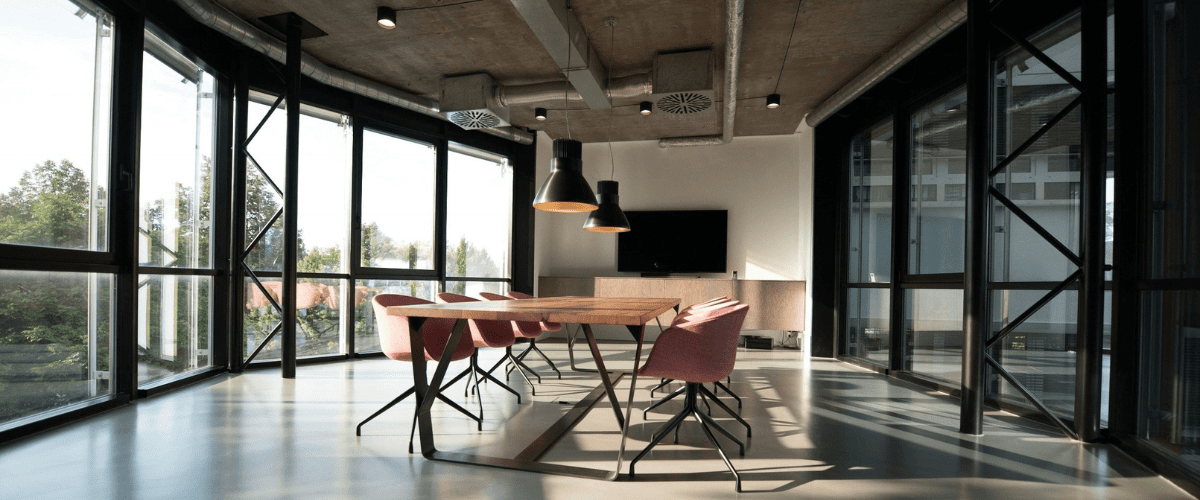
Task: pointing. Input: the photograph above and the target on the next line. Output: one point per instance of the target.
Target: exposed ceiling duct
(733, 49)
(629, 87)
(218, 18)
(951, 16)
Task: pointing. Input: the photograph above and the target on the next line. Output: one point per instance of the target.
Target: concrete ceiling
(832, 42)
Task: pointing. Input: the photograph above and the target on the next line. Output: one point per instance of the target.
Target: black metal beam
(237, 219)
(126, 136)
(898, 355)
(1132, 80)
(290, 198)
(976, 318)
(1090, 338)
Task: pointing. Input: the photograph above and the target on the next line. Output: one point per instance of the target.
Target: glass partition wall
(903, 299)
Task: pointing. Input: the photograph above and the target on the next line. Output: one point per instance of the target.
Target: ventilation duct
(225, 22)
(734, 10)
(468, 101)
(951, 16)
(628, 87)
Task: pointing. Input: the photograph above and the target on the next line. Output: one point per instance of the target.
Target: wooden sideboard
(774, 304)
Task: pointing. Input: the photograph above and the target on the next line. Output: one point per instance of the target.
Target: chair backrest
(525, 329)
(393, 331)
(488, 333)
(702, 349)
(519, 295)
(702, 309)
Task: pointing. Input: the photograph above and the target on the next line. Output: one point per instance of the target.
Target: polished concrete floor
(822, 429)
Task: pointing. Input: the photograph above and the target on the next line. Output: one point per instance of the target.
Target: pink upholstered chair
(521, 330)
(394, 341)
(698, 350)
(546, 326)
(691, 312)
(485, 333)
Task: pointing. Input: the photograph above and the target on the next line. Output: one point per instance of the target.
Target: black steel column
(223, 306)
(899, 355)
(129, 41)
(237, 222)
(290, 197)
(1090, 333)
(976, 320)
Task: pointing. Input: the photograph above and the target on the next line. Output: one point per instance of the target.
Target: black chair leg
(661, 384)
(405, 394)
(712, 439)
(509, 357)
(663, 400)
(728, 410)
(729, 392)
(533, 347)
(741, 446)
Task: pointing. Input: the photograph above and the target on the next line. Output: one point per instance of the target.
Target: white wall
(764, 182)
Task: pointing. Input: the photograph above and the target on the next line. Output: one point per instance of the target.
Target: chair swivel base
(412, 390)
(690, 409)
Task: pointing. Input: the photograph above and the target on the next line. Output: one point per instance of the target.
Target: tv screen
(673, 241)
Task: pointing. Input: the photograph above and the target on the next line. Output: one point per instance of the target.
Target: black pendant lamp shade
(609, 218)
(566, 191)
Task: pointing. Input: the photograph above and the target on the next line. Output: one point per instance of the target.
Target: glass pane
(871, 206)
(936, 226)
(1173, 242)
(934, 329)
(1044, 181)
(1040, 352)
(472, 288)
(55, 340)
(174, 327)
(479, 214)
(54, 163)
(1170, 413)
(868, 329)
(398, 189)
(323, 207)
(175, 187)
(366, 338)
(319, 329)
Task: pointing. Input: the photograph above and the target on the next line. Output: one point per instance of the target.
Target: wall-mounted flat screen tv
(673, 241)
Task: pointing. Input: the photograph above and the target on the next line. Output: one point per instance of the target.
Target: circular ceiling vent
(684, 103)
(475, 119)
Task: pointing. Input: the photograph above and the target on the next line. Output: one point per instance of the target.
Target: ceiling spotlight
(386, 17)
(539, 114)
(645, 107)
(773, 101)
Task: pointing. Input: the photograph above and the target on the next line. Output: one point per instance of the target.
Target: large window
(399, 200)
(1169, 410)
(175, 214)
(55, 325)
(323, 215)
(478, 221)
(867, 333)
(54, 164)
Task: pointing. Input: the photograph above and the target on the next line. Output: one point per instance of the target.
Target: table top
(590, 310)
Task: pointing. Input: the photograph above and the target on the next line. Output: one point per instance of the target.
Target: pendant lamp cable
(566, 108)
(789, 46)
(612, 55)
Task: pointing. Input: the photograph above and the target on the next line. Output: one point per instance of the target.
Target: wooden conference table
(634, 313)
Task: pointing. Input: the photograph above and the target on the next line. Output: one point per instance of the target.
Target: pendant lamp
(609, 218)
(566, 191)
